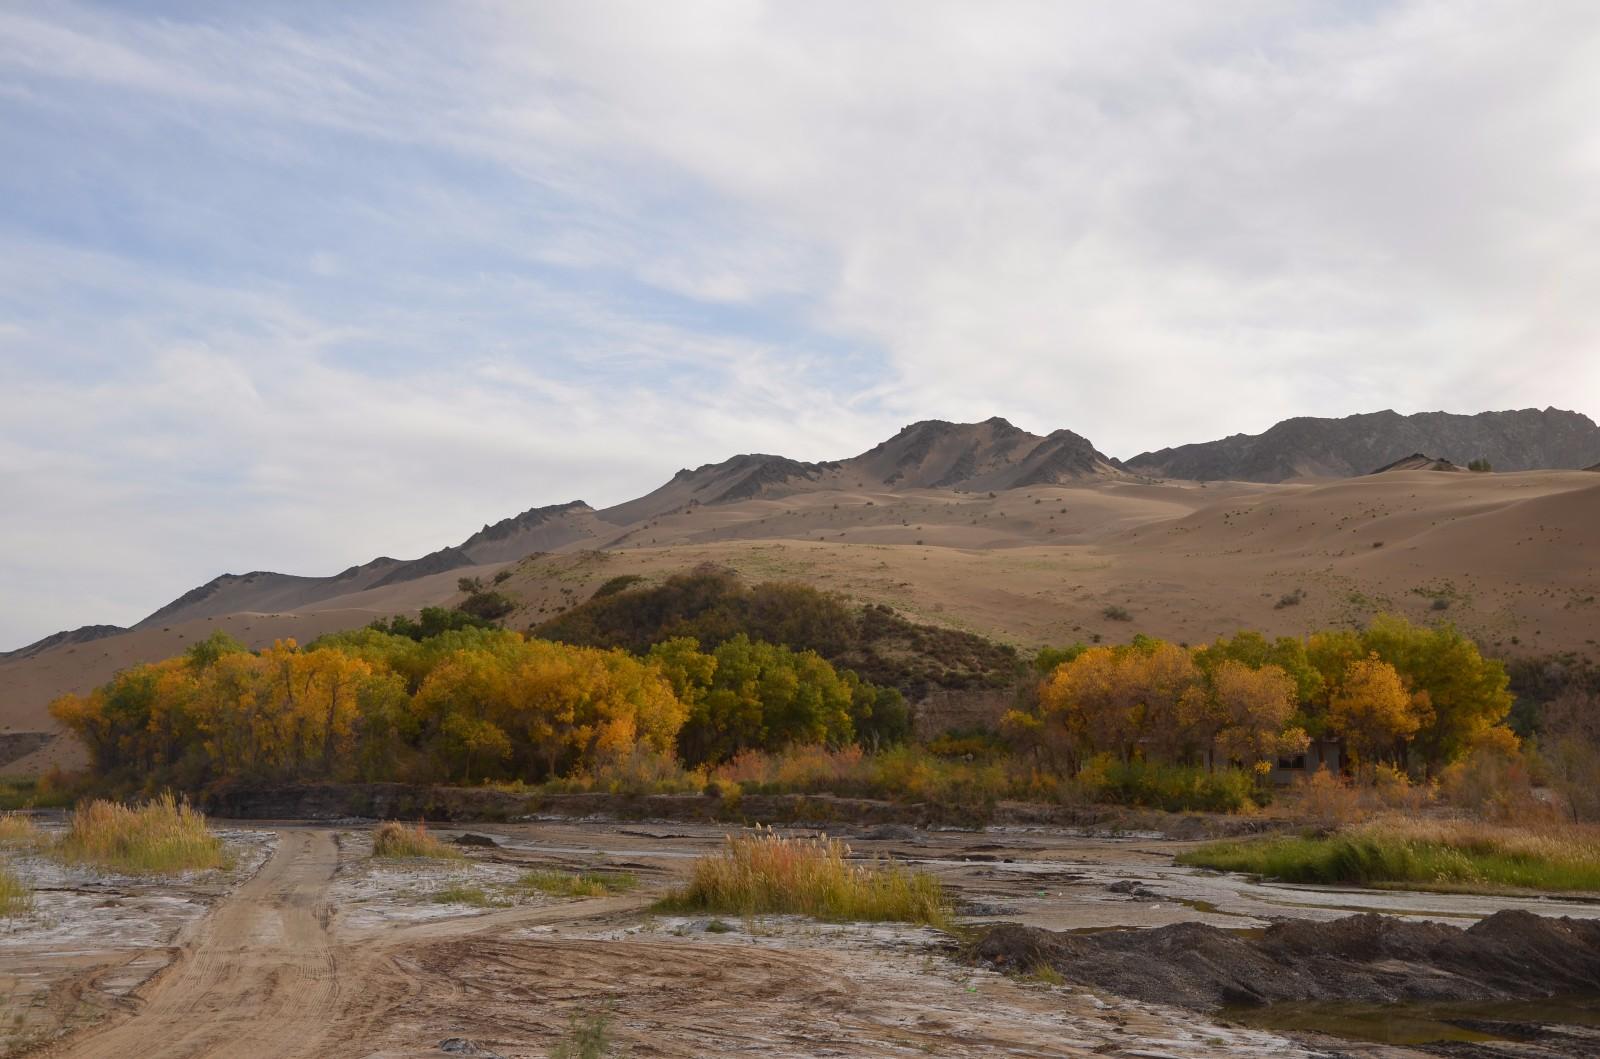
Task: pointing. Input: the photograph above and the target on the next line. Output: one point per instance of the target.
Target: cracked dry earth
(284, 967)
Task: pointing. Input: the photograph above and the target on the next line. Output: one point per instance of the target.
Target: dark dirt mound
(1369, 957)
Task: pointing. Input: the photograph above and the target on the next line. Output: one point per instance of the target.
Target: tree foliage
(1420, 696)
(713, 606)
(463, 705)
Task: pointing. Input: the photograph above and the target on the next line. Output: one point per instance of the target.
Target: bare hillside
(1060, 547)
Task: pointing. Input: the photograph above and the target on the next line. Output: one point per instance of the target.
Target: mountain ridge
(939, 455)
(1310, 446)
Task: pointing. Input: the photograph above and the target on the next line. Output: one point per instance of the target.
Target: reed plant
(161, 836)
(19, 830)
(767, 873)
(396, 840)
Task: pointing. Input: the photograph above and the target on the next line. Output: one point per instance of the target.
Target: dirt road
(257, 978)
(275, 971)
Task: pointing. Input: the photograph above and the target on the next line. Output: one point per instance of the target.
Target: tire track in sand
(256, 981)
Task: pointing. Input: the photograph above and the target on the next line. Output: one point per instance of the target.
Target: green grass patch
(476, 896)
(161, 836)
(392, 839)
(1441, 856)
(15, 897)
(578, 884)
(29, 793)
(765, 873)
(1174, 788)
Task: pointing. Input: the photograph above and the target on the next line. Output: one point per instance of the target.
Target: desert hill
(1527, 439)
(1027, 539)
(1418, 462)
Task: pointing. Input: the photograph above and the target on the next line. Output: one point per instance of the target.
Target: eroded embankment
(401, 801)
(1372, 958)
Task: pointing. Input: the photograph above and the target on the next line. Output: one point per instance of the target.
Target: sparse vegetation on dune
(160, 836)
(1446, 855)
(394, 839)
(767, 873)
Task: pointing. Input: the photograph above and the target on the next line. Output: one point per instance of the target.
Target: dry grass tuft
(394, 839)
(16, 829)
(768, 873)
(164, 835)
(15, 897)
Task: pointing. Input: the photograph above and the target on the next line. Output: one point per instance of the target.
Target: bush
(1290, 599)
(488, 606)
(1115, 613)
(1493, 781)
(431, 622)
(766, 873)
(620, 583)
(588, 1037)
(394, 839)
(161, 836)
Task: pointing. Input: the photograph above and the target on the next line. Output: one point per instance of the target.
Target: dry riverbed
(309, 947)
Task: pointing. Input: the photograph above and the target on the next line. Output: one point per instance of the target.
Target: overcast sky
(288, 286)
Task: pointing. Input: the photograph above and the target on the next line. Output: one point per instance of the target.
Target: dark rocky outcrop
(1369, 958)
(994, 454)
(82, 634)
(433, 563)
(1521, 440)
(1418, 461)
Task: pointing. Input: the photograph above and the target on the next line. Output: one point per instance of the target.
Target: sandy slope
(1512, 558)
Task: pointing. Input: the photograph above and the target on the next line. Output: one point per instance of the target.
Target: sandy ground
(310, 948)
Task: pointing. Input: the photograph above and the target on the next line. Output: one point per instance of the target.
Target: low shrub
(1456, 855)
(588, 1037)
(767, 873)
(1175, 788)
(1290, 599)
(394, 839)
(578, 884)
(164, 835)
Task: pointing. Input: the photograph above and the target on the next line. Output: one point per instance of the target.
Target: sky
(290, 285)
